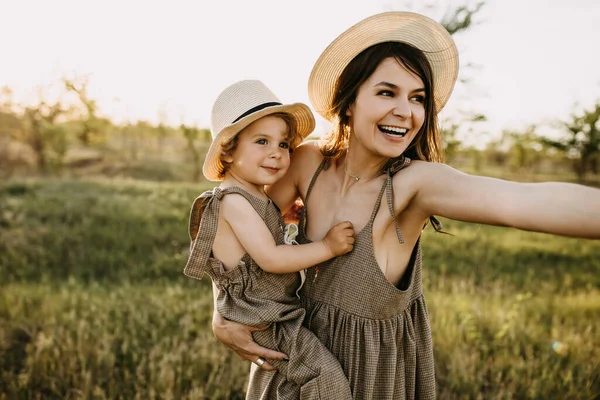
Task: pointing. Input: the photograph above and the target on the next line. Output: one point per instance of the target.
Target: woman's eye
(284, 145)
(387, 93)
(261, 141)
(419, 99)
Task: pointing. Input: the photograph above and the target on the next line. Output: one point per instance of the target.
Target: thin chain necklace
(358, 178)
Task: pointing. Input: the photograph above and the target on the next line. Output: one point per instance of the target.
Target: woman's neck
(360, 165)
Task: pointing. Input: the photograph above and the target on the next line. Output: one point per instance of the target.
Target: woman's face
(389, 110)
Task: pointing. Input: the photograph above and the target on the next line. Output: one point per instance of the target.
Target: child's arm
(258, 242)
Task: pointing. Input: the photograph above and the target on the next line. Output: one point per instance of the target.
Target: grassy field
(94, 305)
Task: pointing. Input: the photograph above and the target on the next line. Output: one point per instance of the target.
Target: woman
(381, 83)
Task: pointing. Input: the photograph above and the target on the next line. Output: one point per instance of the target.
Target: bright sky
(536, 58)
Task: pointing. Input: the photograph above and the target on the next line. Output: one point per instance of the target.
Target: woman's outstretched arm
(551, 207)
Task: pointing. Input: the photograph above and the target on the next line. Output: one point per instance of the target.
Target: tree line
(68, 132)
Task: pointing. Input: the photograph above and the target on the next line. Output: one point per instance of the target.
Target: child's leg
(311, 366)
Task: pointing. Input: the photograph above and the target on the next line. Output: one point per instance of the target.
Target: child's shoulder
(229, 195)
(238, 200)
(234, 198)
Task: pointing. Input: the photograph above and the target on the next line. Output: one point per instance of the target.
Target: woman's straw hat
(414, 29)
(238, 106)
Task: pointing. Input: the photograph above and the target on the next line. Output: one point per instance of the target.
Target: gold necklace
(357, 178)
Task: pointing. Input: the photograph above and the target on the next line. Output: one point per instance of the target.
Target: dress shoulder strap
(322, 166)
(204, 219)
(395, 166)
(387, 187)
(302, 219)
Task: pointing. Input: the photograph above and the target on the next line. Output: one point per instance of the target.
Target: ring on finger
(259, 361)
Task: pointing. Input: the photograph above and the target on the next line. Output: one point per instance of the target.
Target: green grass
(94, 305)
(94, 231)
(112, 342)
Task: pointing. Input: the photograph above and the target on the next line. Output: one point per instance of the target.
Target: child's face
(262, 155)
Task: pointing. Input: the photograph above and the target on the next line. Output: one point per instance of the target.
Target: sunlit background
(166, 61)
(104, 110)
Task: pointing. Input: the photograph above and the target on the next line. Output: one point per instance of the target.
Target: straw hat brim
(414, 29)
(305, 122)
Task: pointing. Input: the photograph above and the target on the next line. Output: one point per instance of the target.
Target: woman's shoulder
(418, 167)
(308, 154)
(419, 172)
(308, 148)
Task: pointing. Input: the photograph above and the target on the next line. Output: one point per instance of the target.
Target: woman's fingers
(263, 351)
(257, 350)
(238, 337)
(251, 351)
(264, 364)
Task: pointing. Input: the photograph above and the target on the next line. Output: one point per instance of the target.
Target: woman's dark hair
(427, 143)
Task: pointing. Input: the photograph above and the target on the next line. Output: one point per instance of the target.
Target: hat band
(257, 108)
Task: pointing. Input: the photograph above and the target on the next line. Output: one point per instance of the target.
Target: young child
(237, 236)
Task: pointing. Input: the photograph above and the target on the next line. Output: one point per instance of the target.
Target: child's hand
(340, 238)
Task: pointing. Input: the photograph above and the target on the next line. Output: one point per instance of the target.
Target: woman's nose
(402, 108)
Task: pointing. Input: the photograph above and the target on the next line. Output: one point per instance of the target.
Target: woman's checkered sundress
(379, 333)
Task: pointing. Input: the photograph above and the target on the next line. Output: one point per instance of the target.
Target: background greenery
(94, 304)
(93, 241)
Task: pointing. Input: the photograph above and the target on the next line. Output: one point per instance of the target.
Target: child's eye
(262, 141)
(284, 145)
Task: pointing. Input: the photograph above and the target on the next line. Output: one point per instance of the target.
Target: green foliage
(196, 152)
(57, 144)
(94, 231)
(113, 342)
(91, 128)
(461, 18)
(513, 345)
(583, 142)
(94, 305)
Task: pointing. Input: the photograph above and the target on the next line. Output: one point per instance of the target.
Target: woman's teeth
(392, 130)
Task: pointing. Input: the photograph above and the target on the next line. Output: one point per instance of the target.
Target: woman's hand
(238, 337)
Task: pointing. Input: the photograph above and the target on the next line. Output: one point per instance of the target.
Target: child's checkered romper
(251, 296)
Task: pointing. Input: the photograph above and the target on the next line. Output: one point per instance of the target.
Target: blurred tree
(196, 152)
(461, 18)
(10, 123)
(161, 135)
(453, 147)
(40, 130)
(495, 152)
(525, 149)
(161, 132)
(137, 133)
(582, 144)
(10, 126)
(91, 127)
